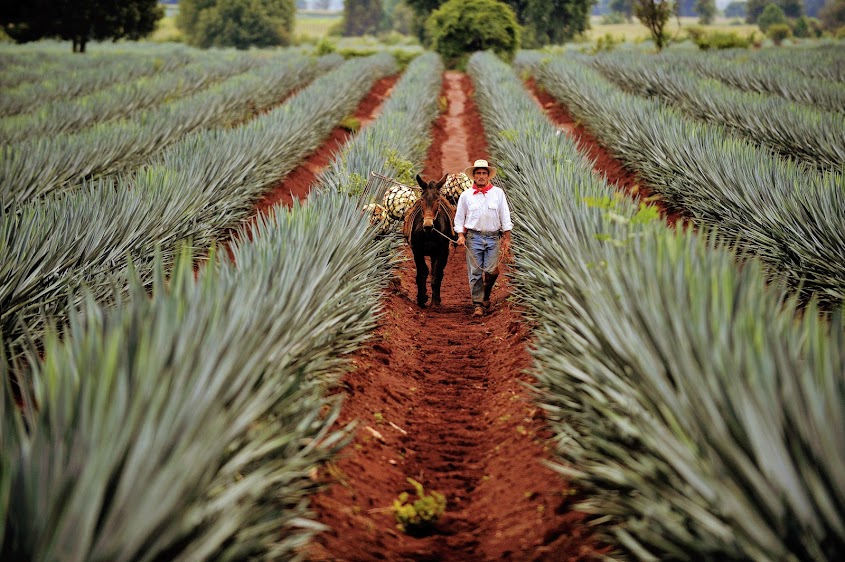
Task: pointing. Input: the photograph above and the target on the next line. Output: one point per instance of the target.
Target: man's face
(481, 175)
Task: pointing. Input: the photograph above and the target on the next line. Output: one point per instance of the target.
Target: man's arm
(460, 218)
(507, 226)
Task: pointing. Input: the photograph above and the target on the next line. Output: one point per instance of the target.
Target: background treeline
(79, 21)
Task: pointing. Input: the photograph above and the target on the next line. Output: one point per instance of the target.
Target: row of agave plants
(27, 85)
(780, 210)
(795, 130)
(699, 417)
(184, 425)
(817, 61)
(124, 98)
(765, 77)
(194, 190)
(37, 167)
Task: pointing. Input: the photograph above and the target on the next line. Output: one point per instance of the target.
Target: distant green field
(315, 23)
(166, 29)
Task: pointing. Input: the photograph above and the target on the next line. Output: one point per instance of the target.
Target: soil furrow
(439, 398)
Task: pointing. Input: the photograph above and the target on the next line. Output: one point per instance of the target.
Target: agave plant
(124, 99)
(795, 130)
(240, 394)
(766, 78)
(28, 97)
(32, 169)
(200, 187)
(779, 210)
(701, 417)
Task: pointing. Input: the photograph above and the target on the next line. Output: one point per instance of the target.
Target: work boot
(478, 311)
(486, 303)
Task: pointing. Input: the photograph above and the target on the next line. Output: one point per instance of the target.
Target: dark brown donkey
(428, 229)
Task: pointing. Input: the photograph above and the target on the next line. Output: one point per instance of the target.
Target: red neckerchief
(481, 190)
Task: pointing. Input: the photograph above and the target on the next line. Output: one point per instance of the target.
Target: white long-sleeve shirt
(483, 211)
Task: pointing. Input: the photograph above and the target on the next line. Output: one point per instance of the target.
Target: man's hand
(461, 239)
(505, 251)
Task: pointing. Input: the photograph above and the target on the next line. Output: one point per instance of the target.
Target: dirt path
(439, 398)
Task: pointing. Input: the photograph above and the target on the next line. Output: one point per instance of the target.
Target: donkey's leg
(438, 264)
(422, 276)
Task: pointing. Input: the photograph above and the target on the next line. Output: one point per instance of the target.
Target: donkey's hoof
(421, 303)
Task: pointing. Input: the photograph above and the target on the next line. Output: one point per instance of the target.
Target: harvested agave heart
(378, 215)
(454, 186)
(397, 200)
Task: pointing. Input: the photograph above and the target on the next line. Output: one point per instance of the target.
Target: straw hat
(481, 164)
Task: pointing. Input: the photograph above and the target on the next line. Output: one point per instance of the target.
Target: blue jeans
(482, 257)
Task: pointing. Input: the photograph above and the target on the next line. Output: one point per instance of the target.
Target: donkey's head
(430, 197)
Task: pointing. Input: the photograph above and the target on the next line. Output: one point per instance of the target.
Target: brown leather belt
(485, 232)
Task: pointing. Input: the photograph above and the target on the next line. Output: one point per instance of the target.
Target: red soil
(439, 397)
(297, 183)
(604, 163)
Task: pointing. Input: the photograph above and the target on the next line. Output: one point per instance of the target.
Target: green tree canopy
(625, 7)
(361, 17)
(237, 23)
(790, 8)
(655, 14)
(80, 21)
(706, 10)
(462, 27)
(832, 15)
(772, 15)
(735, 10)
(543, 21)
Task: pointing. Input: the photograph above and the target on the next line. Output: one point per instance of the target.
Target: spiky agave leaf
(666, 370)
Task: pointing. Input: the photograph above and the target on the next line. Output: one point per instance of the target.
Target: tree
(791, 8)
(554, 21)
(706, 11)
(654, 14)
(80, 21)
(398, 16)
(832, 15)
(461, 27)
(778, 32)
(625, 7)
(772, 15)
(361, 17)
(544, 21)
(735, 10)
(237, 23)
(754, 8)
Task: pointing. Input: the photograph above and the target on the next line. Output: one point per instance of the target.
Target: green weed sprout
(422, 514)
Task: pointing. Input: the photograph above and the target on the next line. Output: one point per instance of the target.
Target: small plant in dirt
(405, 171)
(351, 124)
(420, 516)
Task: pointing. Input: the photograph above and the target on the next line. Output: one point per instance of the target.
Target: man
(483, 224)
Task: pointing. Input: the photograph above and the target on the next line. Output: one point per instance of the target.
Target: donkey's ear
(442, 181)
(421, 182)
